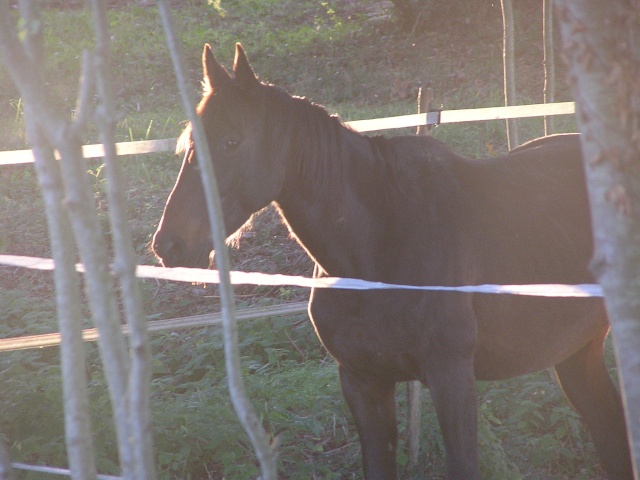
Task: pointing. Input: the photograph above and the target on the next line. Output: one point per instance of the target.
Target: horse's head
(234, 115)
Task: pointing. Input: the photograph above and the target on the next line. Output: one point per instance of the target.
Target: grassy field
(354, 58)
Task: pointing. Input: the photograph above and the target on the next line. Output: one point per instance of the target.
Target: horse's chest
(372, 332)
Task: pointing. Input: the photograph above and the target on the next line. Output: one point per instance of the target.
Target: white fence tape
(431, 118)
(386, 123)
(56, 471)
(464, 115)
(253, 278)
(249, 278)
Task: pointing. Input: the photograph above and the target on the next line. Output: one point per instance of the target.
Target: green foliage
(288, 377)
(549, 432)
(28, 393)
(525, 425)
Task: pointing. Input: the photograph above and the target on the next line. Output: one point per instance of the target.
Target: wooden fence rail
(15, 157)
(208, 319)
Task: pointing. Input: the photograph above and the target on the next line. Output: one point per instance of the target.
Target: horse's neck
(326, 213)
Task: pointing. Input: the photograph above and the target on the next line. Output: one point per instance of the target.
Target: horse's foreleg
(372, 404)
(453, 391)
(587, 384)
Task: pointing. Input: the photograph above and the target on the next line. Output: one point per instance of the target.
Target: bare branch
(84, 107)
(239, 397)
(76, 404)
(125, 260)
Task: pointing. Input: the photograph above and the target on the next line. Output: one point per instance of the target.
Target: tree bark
(602, 43)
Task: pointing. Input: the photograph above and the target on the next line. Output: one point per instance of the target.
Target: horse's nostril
(169, 248)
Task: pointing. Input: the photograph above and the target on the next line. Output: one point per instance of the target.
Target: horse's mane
(320, 144)
(185, 141)
(317, 143)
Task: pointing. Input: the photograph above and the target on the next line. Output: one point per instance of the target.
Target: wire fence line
(190, 275)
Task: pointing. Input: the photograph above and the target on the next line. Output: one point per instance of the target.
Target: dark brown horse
(408, 210)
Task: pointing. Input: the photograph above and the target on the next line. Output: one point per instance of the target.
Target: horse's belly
(369, 332)
(518, 335)
(392, 334)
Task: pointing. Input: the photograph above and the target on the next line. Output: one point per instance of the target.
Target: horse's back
(531, 221)
(570, 141)
(522, 217)
(532, 225)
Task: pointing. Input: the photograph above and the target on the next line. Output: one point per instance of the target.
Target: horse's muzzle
(173, 251)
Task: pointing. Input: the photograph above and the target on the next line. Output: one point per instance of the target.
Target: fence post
(414, 389)
(548, 92)
(6, 472)
(425, 102)
(509, 70)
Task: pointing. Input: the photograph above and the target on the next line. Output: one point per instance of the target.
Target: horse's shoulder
(421, 167)
(417, 153)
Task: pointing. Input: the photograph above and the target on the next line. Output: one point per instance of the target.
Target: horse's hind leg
(587, 384)
(373, 406)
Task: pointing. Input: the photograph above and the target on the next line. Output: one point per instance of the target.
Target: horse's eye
(231, 144)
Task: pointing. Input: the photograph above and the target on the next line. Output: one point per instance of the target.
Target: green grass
(351, 57)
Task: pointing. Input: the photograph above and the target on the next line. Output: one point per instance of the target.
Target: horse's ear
(215, 75)
(244, 74)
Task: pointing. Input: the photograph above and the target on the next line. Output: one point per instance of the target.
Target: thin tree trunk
(244, 410)
(602, 43)
(78, 437)
(100, 292)
(80, 205)
(139, 380)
